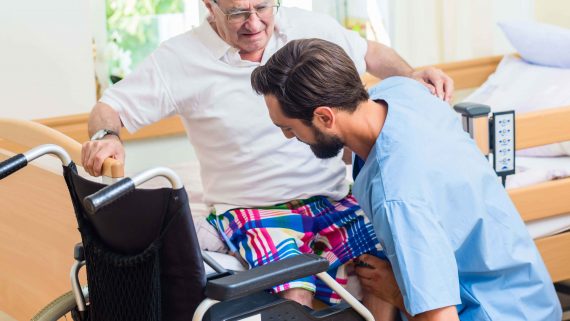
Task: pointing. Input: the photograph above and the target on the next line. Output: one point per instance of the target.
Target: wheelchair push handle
(111, 193)
(17, 162)
(12, 165)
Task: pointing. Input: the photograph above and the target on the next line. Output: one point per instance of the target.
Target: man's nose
(288, 134)
(253, 21)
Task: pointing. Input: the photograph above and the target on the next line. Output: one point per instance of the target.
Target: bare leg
(380, 309)
(301, 296)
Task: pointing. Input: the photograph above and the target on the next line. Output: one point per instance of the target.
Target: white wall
(46, 66)
(435, 31)
(555, 12)
(46, 60)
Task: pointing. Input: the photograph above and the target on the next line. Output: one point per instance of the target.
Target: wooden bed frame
(42, 227)
(540, 201)
(38, 229)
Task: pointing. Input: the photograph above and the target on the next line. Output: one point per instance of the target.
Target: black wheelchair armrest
(468, 109)
(265, 277)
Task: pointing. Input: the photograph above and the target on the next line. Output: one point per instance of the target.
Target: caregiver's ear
(324, 115)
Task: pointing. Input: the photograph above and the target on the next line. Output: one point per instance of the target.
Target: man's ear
(324, 116)
(208, 5)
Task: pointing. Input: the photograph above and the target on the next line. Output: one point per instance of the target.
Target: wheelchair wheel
(62, 308)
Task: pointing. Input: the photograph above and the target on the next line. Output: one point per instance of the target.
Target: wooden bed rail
(75, 126)
(537, 129)
(466, 74)
(548, 199)
(542, 200)
(543, 127)
(21, 135)
(556, 256)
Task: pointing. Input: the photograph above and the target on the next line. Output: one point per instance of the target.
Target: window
(136, 27)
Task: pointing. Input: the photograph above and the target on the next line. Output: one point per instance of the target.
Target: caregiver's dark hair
(309, 73)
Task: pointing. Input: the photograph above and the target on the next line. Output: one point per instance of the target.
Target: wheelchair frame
(226, 291)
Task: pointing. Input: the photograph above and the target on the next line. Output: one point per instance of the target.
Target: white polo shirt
(245, 160)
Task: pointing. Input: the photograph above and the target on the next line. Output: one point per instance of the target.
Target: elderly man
(455, 244)
(270, 196)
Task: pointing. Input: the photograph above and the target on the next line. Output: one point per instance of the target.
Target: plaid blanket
(336, 230)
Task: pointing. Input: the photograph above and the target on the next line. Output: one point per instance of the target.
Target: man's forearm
(383, 62)
(442, 314)
(103, 116)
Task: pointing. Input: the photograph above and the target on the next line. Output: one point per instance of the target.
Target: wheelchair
(143, 260)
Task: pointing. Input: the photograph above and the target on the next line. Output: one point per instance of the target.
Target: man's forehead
(274, 108)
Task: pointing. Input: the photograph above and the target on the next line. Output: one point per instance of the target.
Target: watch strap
(100, 134)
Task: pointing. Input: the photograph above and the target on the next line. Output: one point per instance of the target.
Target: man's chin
(253, 43)
(325, 153)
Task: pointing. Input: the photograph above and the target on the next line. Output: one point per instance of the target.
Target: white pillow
(539, 43)
(523, 87)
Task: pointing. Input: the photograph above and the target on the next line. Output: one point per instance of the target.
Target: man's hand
(384, 62)
(94, 153)
(436, 81)
(377, 278)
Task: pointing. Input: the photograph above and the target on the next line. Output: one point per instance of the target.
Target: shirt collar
(219, 48)
(208, 36)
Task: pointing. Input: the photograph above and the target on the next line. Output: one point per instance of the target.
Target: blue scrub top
(447, 226)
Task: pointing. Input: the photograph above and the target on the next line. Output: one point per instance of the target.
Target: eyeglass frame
(274, 10)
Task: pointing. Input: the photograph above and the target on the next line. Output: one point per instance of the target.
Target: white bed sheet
(534, 170)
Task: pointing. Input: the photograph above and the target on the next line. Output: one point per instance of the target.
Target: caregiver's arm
(382, 62)
(441, 314)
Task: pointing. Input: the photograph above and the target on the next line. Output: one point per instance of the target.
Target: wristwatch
(104, 132)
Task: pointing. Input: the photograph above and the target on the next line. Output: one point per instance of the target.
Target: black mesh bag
(142, 254)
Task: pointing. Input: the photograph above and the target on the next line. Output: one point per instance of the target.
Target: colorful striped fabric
(336, 230)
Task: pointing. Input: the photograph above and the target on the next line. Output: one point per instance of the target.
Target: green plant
(133, 30)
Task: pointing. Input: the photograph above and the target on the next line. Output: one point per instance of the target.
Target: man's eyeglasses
(263, 11)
